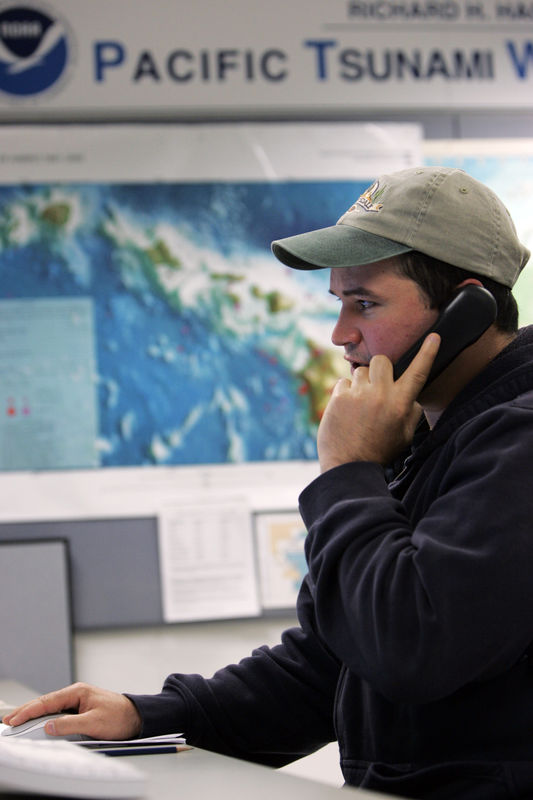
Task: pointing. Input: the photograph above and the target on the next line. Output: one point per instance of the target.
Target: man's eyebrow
(361, 291)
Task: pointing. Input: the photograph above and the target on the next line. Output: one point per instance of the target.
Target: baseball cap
(440, 211)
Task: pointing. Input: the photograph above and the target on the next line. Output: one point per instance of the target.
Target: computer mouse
(34, 729)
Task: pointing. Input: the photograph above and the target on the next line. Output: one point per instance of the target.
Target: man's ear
(473, 281)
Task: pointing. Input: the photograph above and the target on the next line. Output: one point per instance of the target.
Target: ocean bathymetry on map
(202, 348)
(188, 342)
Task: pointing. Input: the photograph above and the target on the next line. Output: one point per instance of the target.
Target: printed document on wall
(206, 561)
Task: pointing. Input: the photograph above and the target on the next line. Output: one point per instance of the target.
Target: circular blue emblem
(33, 50)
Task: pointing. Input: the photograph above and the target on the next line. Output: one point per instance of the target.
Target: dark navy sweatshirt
(415, 618)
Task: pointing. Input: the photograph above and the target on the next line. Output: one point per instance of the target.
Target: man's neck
(440, 393)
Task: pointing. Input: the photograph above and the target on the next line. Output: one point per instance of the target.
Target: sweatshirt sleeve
(272, 707)
(419, 608)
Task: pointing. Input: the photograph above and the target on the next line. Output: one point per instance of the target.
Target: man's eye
(365, 305)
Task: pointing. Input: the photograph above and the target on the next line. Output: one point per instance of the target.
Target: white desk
(198, 774)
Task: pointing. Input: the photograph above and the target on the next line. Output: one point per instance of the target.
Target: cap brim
(336, 246)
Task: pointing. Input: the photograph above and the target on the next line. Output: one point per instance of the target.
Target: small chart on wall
(280, 537)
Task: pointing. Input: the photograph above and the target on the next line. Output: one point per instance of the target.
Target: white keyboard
(67, 770)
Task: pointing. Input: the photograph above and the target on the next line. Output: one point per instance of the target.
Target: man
(417, 612)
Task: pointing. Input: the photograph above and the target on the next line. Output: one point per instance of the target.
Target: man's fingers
(35, 708)
(51, 703)
(341, 386)
(417, 373)
(380, 367)
(98, 713)
(70, 723)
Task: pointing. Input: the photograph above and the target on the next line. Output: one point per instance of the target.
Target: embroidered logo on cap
(369, 200)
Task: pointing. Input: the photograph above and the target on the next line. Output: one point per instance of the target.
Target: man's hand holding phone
(372, 417)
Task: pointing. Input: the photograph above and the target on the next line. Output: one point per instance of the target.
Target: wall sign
(178, 60)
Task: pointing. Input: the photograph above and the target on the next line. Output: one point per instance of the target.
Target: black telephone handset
(466, 317)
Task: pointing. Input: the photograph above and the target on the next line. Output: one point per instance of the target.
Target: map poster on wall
(201, 350)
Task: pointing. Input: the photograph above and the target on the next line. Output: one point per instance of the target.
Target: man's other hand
(94, 712)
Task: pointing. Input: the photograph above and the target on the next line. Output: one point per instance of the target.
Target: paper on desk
(207, 565)
(167, 738)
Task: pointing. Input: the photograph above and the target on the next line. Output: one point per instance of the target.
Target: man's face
(382, 312)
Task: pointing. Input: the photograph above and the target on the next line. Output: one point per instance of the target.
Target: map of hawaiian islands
(149, 324)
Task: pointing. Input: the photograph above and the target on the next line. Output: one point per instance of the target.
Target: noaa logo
(34, 50)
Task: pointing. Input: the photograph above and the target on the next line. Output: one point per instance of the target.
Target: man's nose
(345, 331)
